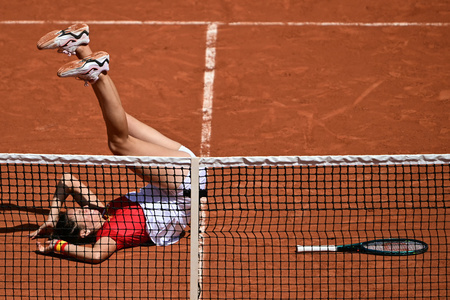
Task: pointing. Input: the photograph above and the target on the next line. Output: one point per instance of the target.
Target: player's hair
(69, 231)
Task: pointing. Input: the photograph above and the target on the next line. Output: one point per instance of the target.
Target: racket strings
(397, 246)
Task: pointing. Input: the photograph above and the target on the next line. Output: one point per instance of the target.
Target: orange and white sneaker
(87, 69)
(66, 40)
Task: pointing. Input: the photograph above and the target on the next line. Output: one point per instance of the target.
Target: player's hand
(46, 247)
(45, 228)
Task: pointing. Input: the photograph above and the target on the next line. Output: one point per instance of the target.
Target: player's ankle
(83, 51)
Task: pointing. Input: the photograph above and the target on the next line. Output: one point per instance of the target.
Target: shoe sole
(75, 69)
(76, 31)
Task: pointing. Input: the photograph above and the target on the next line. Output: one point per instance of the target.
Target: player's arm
(70, 185)
(101, 250)
(67, 185)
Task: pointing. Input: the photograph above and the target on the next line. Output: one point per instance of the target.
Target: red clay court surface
(279, 89)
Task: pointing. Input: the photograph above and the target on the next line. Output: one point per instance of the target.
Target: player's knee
(67, 177)
(67, 180)
(117, 146)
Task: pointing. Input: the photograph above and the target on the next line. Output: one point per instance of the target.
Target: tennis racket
(379, 247)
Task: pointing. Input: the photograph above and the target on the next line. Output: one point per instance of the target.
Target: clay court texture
(225, 78)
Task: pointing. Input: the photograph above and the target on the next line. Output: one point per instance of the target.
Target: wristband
(59, 246)
(64, 246)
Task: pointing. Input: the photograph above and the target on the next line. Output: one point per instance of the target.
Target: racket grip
(316, 248)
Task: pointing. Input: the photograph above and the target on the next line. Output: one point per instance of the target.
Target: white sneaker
(87, 69)
(67, 40)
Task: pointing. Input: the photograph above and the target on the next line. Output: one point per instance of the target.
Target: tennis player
(159, 212)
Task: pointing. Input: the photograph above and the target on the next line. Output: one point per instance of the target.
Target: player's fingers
(40, 248)
(34, 234)
(46, 247)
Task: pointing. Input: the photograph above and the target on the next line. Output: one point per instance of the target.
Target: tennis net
(245, 228)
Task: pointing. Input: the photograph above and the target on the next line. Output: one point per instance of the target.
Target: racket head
(394, 247)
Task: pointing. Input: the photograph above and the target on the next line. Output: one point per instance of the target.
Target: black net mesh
(250, 222)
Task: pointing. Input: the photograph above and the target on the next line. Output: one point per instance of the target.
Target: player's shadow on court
(21, 227)
(14, 207)
(24, 226)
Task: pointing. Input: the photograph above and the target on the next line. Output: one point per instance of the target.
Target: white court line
(343, 24)
(319, 24)
(210, 64)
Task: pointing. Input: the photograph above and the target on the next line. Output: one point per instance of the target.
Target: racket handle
(316, 248)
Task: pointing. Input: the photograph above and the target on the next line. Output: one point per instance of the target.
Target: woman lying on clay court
(150, 215)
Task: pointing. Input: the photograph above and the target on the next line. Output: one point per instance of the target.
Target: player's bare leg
(106, 89)
(126, 135)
